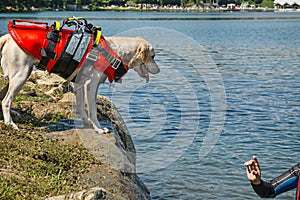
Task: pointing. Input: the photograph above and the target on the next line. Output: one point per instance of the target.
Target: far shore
(156, 8)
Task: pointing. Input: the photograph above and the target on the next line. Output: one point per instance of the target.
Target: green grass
(21, 97)
(33, 166)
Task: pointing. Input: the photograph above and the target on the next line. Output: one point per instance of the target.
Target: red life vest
(33, 38)
(30, 36)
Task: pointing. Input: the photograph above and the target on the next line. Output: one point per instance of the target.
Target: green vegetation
(21, 97)
(33, 166)
(267, 3)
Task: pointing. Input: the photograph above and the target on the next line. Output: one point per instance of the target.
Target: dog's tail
(3, 40)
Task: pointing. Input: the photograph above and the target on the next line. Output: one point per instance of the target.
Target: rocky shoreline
(113, 173)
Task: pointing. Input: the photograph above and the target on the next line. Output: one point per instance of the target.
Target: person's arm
(262, 188)
(276, 186)
(286, 181)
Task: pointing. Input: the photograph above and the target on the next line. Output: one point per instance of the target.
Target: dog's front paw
(106, 130)
(103, 131)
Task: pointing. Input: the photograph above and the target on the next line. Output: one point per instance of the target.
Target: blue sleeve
(285, 182)
(286, 185)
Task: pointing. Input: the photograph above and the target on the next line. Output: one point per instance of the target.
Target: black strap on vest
(66, 64)
(115, 63)
(53, 38)
(48, 53)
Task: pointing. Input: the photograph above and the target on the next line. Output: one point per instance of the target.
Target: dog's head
(143, 61)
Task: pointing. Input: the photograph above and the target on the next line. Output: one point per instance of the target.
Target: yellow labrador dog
(136, 53)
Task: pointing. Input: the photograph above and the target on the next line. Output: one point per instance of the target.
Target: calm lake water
(229, 88)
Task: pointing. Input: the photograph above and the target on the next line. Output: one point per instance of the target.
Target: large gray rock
(116, 150)
(90, 194)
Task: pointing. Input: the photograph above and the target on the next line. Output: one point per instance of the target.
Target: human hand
(253, 171)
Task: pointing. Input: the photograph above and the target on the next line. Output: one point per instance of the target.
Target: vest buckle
(116, 63)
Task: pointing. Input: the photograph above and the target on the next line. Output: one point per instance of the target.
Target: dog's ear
(141, 55)
(143, 52)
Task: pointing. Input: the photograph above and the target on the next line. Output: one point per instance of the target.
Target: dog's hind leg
(16, 83)
(19, 65)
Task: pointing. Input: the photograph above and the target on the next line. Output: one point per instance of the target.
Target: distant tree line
(27, 5)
